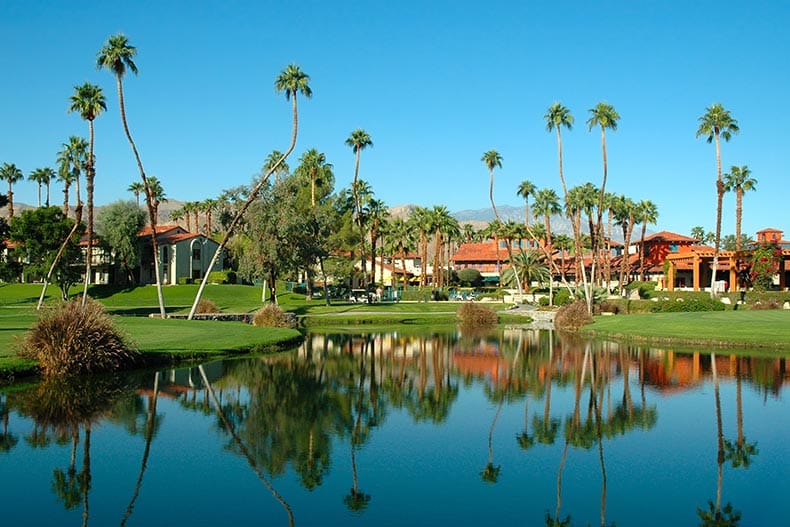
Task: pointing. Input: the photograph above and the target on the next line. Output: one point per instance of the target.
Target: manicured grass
(742, 328)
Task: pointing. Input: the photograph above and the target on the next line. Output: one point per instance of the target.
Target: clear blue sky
(435, 84)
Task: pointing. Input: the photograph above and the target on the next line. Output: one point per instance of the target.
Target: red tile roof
(479, 252)
(669, 237)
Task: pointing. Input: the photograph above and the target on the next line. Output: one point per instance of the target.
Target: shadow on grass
(106, 291)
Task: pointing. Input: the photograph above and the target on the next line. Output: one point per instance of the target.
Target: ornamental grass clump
(271, 316)
(474, 315)
(206, 306)
(572, 316)
(72, 340)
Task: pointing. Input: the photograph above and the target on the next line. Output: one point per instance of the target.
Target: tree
(529, 268)
(717, 123)
(88, 101)
(376, 216)
(271, 163)
(646, 212)
(136, 188)
(700, 234)
(547, 203)
(625, 216)
(604, 116)
(420, 221)
(42, 176)
(38, 234)
(400, 237)
(117, 225)
(11, 175)
(71, 160)
(358, 141)
(116, 56)
(526, 189)
(314, 168)
(739, 180)
(291, 81)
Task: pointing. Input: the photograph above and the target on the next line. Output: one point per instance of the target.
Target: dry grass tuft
(573, 316)
(272, 316)
(477, 316)
(71, 340)
(207, 306)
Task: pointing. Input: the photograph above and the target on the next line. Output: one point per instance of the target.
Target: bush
(416, 295)
(562, 297)
(646, 289)
(272, 316)
(71, 340)
(697, 303)
(475, 315)
(766, 304)
(543, 301)
(207, 306)
(607, 307)
(470, 277)
(572, 316)
(184, 280)
(222, 277)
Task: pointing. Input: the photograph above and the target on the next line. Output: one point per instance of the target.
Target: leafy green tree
(117, 225)
(88, 100)
(717, 123)
(117, 56)
(39, 233)
(291, 81)
(470, 277)
(11, 175)
(739, 180)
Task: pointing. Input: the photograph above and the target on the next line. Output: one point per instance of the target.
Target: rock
(786, 305)
(725, 300)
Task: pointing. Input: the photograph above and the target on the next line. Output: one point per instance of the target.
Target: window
(196, 252)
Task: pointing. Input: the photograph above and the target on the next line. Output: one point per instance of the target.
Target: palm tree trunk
(66, 199)
(237, 218)
(738, 217)
(719, 199)
(58, 256)
(90, 173)
(148, 199)
(642, 252)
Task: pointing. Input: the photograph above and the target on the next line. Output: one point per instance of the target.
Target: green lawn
(743, 328)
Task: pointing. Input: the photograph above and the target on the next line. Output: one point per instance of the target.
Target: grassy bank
(757, 329)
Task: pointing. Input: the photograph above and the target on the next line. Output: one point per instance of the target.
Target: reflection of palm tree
(7, 439)
(229, 427)
(357, 500)
(741, 452)
(150, 427)
(715, 515)
(490, 473)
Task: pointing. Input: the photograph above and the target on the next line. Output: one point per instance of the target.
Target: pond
(513, 427)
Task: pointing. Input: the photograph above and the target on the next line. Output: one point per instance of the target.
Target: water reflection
(313, 414)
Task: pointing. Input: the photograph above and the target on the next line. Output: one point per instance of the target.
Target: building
(182, 255)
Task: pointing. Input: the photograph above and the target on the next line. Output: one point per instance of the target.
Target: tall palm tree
(526, 189)
(376, 215)
(40, 177)
(604, 116)
(400, 236)
(136, 188)
(545, 204)
(208, 206)
(71, 160)
(11, 175)
(313, 164)
(625, 216)
(558, 117)
(492, 160)
(358, 141)
(117, 56)
(717, 123)
(291, 81)
(88, 100)
(739, 180)
(646, 212)
(420, 221)
(442, 221)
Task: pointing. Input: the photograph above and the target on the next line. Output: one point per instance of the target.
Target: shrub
(71, 340)
(562, 297)
(543, 301)
(646, 289)
(272, 316)
(572, 316)
(475, 315)
(207, 306)
(766, 304)
(607, 307)
(470, 277)
(222, 277)
(416, 295)
(693, 304)
(184, 280)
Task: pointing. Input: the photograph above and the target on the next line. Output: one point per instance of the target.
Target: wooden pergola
(700, 261)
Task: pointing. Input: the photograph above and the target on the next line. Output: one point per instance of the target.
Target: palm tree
(271, 163)
(441, 221)
(208, 206)
(558, 117)
(291, 81)
(529, 267)
(420, 221)
(88, 100)
(604, 116)
(624, 214)
(646, 212)
(740, 180)
(492, 160)
(71, 160)
(547, 203)
(357, 141)
(10, 174)
(400, 236)
(116, 56)
(41, 176)
(314, 164)
(716, 123)
(136, 188)
(526, 189)
(376, 215)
